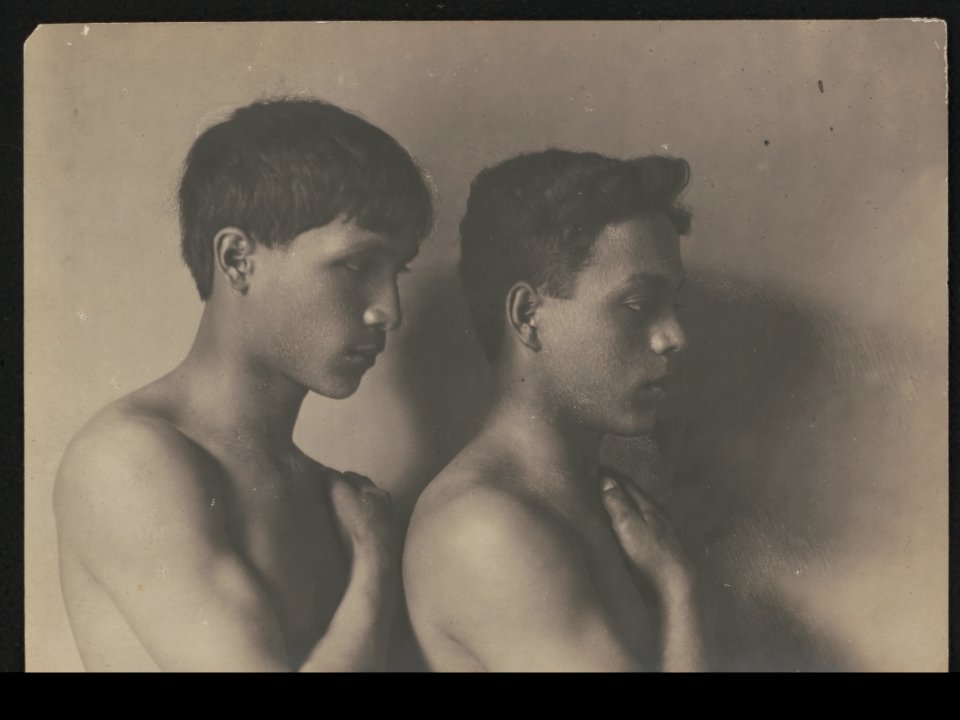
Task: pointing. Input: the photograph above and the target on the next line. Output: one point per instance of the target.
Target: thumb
(615, 501)
(627, 522)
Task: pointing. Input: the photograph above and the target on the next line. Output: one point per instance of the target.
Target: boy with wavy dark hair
(194, 534)
(522, 554)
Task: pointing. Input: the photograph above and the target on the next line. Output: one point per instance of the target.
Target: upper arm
(134, 506)
(510, 585)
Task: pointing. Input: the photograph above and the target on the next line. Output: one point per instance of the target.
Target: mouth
(364, 356)
(654, 390)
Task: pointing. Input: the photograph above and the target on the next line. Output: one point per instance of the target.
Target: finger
(641, 498)
(626, 521)
(366, 486)
(347, 491)
(630, 486)
(606, 471)
(340, 482)
(618, 504)
(357, 480)
(341, 486)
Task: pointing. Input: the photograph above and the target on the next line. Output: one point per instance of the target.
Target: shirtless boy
(194, 535)
(522, 554)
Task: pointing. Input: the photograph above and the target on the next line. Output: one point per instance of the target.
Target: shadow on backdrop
(782, 420)
(755, 457)
(444, 380)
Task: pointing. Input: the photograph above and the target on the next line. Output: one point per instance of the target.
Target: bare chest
(280, 522)
(630, 608)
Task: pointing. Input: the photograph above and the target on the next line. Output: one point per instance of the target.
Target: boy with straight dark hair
(194, 534)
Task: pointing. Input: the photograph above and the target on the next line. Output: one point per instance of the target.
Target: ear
(233, 251)
(522, 304)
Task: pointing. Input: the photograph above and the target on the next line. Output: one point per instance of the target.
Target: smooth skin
(521, 555)
(194, 535)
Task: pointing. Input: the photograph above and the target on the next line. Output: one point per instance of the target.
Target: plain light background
(808, 448)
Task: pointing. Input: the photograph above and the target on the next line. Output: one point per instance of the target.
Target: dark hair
(277, 168)
(535, 217)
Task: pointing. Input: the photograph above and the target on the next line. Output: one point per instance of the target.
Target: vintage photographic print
(486, 346)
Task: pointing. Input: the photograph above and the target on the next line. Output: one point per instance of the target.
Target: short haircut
(535, 218)
(277, 168)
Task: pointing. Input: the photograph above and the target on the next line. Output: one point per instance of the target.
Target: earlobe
(522, 304)
(233, 253)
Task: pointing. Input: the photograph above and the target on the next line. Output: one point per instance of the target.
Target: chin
(336, 388)
(337, 394)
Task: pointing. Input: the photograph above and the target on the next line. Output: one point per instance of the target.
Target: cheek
(584, 351)
(601, 343)
(304, 318)
(610, 359)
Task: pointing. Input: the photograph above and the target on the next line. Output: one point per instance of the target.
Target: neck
(232, 395)
(551, 444)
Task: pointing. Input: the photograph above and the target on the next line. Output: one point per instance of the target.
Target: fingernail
(608, 484)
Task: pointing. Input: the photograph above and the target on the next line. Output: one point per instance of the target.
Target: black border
(17, 23)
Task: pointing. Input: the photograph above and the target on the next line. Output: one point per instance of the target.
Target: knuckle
(617, 504)
(366, 483)
(625, 524)
(339, 488)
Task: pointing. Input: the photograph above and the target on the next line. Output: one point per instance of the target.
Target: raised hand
(647, 538)
(366, 519)
(652, 547)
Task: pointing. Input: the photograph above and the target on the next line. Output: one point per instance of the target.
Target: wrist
(676, 583)
(374, 563)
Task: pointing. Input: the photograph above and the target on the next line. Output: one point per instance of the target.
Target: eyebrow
(644, 278)
(380, 244)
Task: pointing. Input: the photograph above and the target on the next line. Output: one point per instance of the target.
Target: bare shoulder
(125, 463)
(472, 526)
(482, 507)
(498, 578)
(495, 578)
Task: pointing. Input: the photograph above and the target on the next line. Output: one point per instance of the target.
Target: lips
(654, 390)
(364, 354)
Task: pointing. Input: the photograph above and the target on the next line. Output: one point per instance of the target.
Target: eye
(357, 264)
(639, 304)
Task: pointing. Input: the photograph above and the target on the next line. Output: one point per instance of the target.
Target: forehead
(647, 245)
(344, 237)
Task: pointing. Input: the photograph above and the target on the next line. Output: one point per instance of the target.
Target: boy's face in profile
(606, 349)
(320, 307)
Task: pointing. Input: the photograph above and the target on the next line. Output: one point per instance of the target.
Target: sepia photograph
(486, 346)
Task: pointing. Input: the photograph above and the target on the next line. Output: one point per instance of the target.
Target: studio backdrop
(803, 457)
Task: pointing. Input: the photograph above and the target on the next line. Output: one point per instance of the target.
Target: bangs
(278, 168)
(380, 189)
(394, 202)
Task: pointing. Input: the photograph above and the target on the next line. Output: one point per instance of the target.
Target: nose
(385, 310)
(668, 336)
